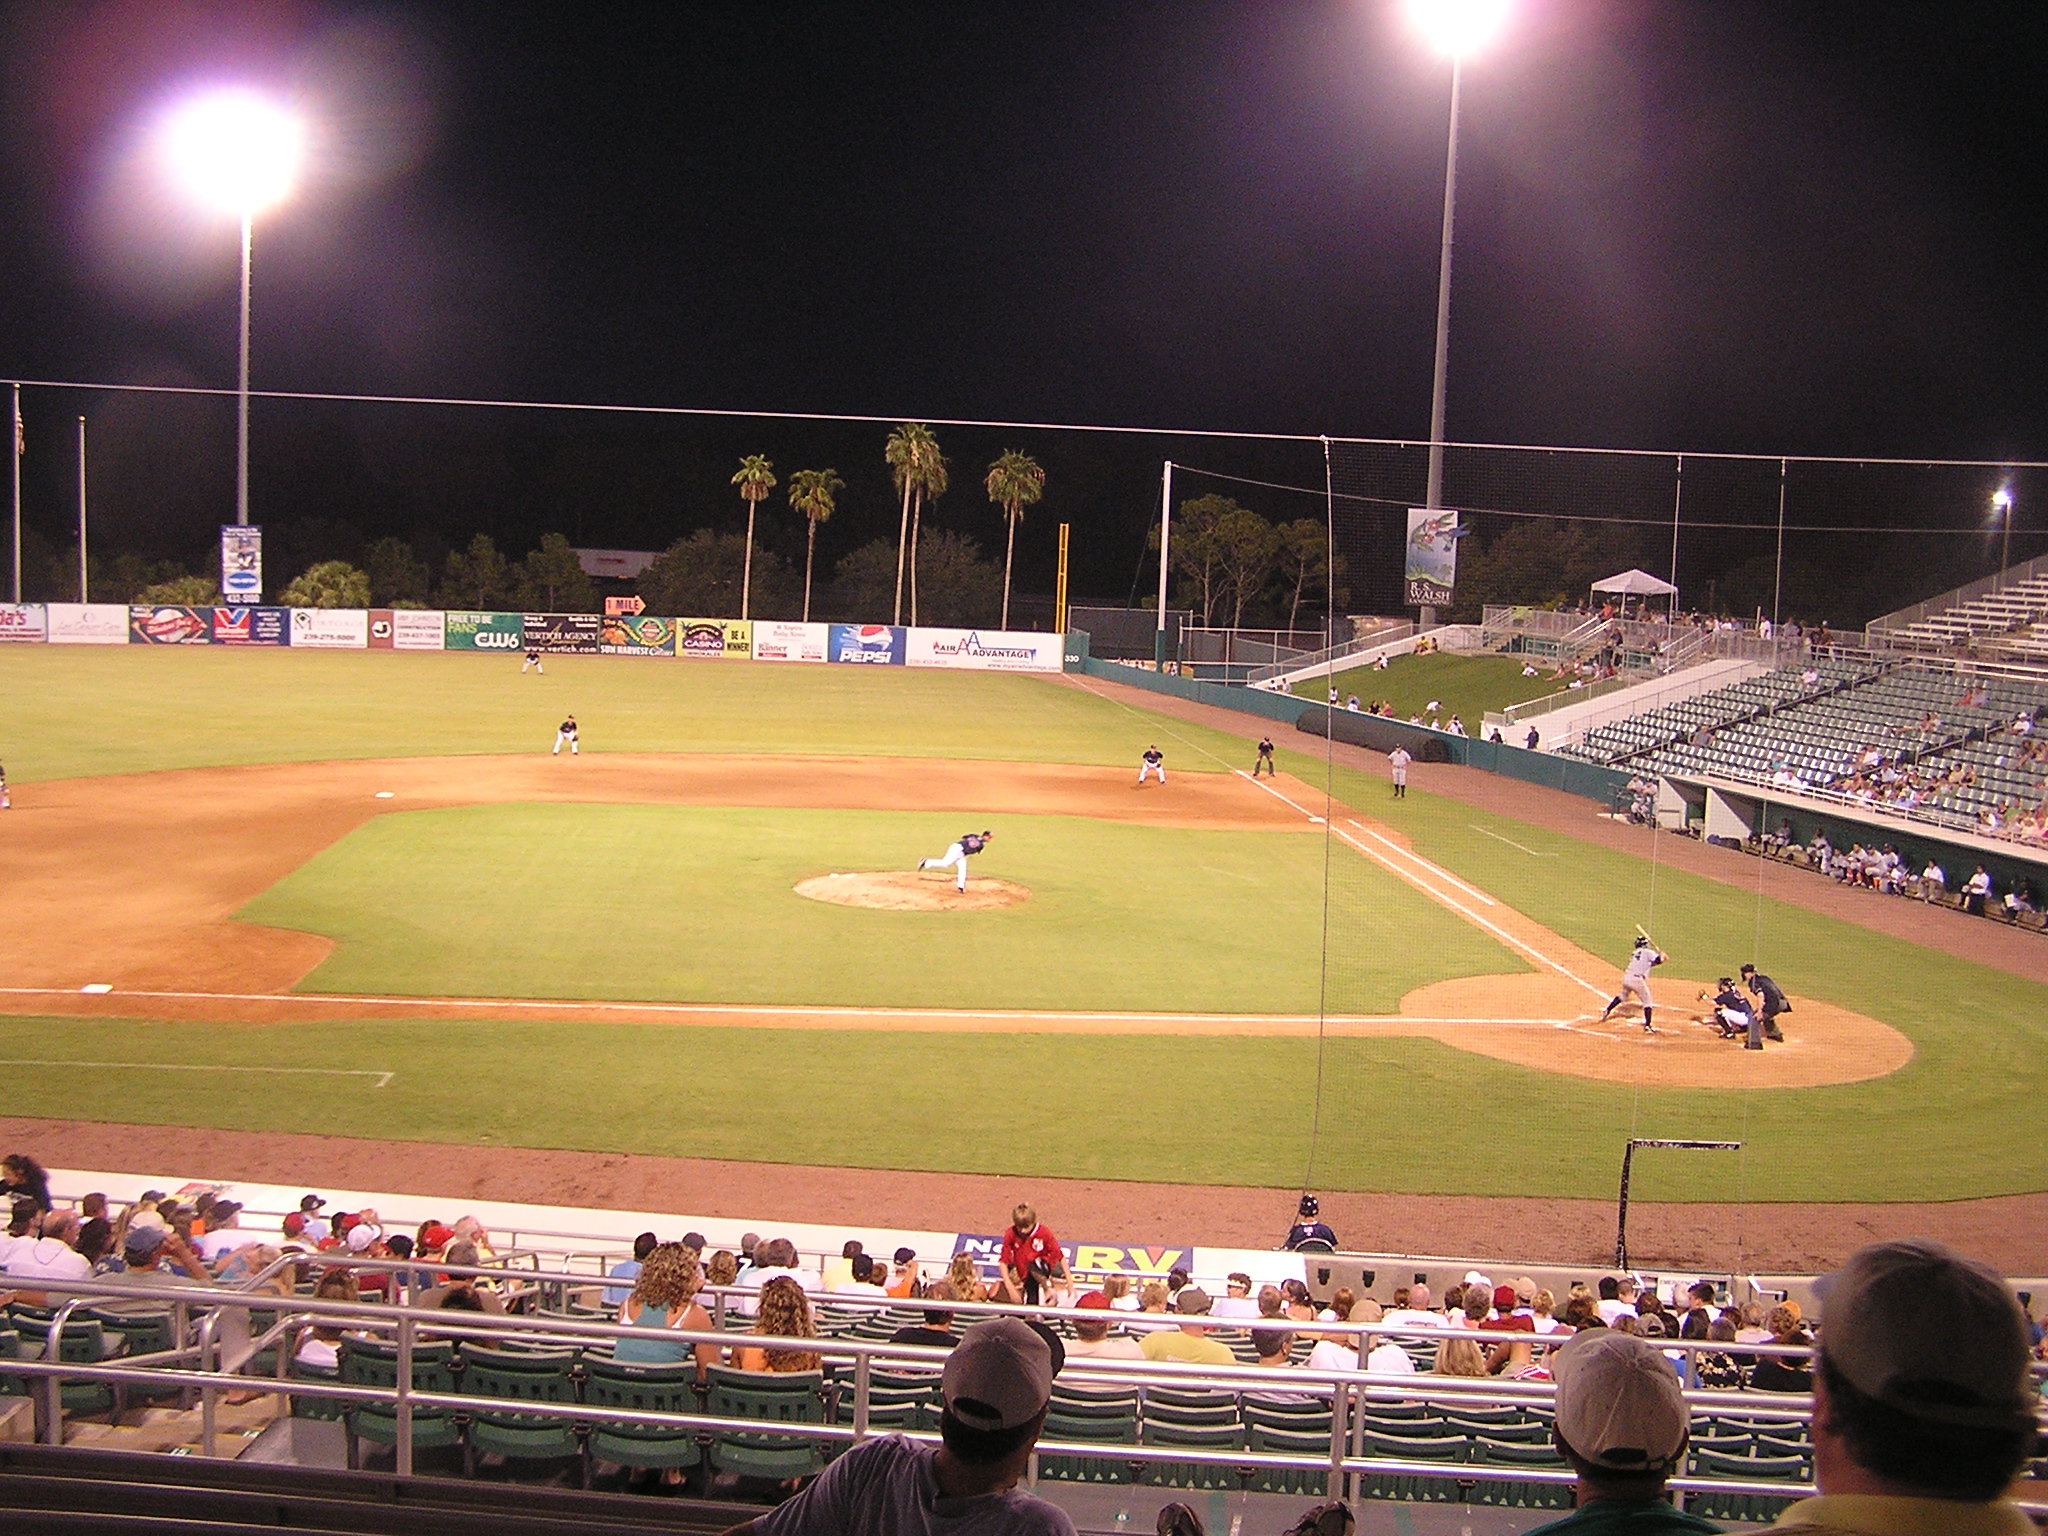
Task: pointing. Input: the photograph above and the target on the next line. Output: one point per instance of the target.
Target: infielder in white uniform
(567, 733)
(1400, 759)
(1635, 981)
(956, 857)
(1154, 761)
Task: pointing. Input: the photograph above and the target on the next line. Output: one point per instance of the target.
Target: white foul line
(1509, 841)
(383, 1078)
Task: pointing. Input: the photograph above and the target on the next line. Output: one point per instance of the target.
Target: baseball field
(354, 895)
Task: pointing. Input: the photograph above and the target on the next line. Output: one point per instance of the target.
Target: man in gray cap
(1922, 1410)
(995, 1389)
(1622, 1424)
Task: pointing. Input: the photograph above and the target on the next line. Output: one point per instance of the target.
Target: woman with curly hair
(722, 1269)
(661, 1301)
(965, 1278)
(23, 1178)
(785, 1313)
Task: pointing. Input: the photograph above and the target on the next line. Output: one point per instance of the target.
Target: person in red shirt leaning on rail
(1031, 1256)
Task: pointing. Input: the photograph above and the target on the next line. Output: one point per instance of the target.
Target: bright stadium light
(237, 152)
(2001, 508)
(1455, 28)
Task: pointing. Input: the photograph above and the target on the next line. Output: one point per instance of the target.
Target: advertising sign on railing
(88, 623)
(641, 635)
(252, 626)
(715, 639)
(779, 640)
(23, 623)
(405, 629)
(875, 645)
(331, 629)
(573, 634)
(982, 650)
(164, 624)
(483, 631)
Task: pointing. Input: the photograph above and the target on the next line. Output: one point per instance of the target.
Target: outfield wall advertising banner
(715, 639)
(416, 629)
(88, 623)
(1432, 561)
(380, 629)
(982, 650)
(575, 634)
(626, 634)
(778, 640)
(331, 629)
(166, 625)
(483, 631)
(24, 623)
(874, 645)
(252, 626)
(241, 564)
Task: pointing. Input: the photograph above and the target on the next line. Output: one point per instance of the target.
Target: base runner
(567, 732)
(956, 857)
(1635, 980)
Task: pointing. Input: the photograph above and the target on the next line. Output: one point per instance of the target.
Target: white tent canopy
(1633, 583)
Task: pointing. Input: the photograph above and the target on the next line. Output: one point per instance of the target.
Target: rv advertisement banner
(241, 564)
(1432, 565)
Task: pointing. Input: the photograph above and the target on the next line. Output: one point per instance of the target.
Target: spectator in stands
(904, 1278)
(1717, 1367)
(223, 1233)
(455, 1289)
(320, 1345)
(33, 1262)
(1622, 1423)
(724, 1268)
(1333, 1352)
(785, 1313)
(23, 1178)
(1092, 1335)
(318, 1227)
(1190, 1342)
(936, 1332)
(1275, 1346)
(1784, 1373)
(663, 1299)
(838, 1273)
(153, 1256)
(1511, 1355)
(994, 1395)
(95, 1242)
(1415, 1313)
(1542, 1310)
(1342, 1300)
(1031, 1257)
(964, 1275)
(1922, 1409)
(1272, 1304)
(1301, 1306)
(1617, 1297)
(1237, 1300)
(628, 1269)
(774, 1259)
(467, 1227)
(1459, 1357)
(1176, 1282)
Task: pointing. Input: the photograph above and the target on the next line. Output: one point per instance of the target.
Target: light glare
(1456, 27)
(235, 150)
(2001, 498)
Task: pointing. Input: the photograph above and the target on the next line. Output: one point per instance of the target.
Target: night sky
(1711, 227)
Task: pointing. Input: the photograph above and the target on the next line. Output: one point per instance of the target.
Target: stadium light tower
(2001, 504)
(237, 152)
(1453, 28)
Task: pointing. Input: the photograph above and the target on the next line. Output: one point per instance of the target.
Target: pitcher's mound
(907, 891)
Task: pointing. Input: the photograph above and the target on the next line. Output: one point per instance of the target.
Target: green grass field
(696, 904)
(1226, 915)
(1466, 686)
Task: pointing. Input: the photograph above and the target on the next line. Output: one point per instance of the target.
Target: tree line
(1231, 566)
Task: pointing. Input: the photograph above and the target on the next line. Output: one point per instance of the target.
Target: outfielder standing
(1400, 759)
(1154, 761)
(1635, 981)
(956, 857)
(567, 733)
(1265, 759)
(533, 661)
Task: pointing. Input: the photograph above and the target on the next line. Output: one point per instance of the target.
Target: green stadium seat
(1198, 1435)
(374, 1363)
(519, 1377)
(1095, 1428)
(1267, 1440)
(768, 1397)
(631, 1389)
(84, 1342)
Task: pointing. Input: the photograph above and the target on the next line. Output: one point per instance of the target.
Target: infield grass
(696, 904)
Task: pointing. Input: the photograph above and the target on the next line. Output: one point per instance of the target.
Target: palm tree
(755, 480)
(811, 492)
(920, 471)
(1014, 482)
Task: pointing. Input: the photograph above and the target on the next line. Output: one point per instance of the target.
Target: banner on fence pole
(637, 635)
(88, 623)
(1432, 564)
(715, 639)
(241, 564)
(167, 624)
(574, 634)
(252, 626)
(483, 631)
(982, 650)
(781, 640)
(24, 623)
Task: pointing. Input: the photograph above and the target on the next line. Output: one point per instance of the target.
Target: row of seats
(1714, 709)
(2021, 603)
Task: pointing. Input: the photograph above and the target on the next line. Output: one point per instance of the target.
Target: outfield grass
(695, 904)
(82, 710)
(1466, 686)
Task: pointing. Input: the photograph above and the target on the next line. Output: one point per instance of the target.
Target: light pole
(239, 153)
(2001, 503)
(1455, 28)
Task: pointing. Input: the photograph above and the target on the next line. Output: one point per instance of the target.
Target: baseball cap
(143, 1241)
(295, 1224)
(695, 1241)
(906, 1255)
(1504, 1297)
(1924, 1330)
(310, 1202)
(1192, 1299)
(1619, 1404)
(360, 1236)
(999, 1375)
(1094, 1301)
(1525, 1288)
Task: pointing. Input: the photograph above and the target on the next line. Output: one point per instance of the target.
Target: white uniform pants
(533, 662)
(569, 737)
(1158, 768)
(955, 857)
(1640, 990)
